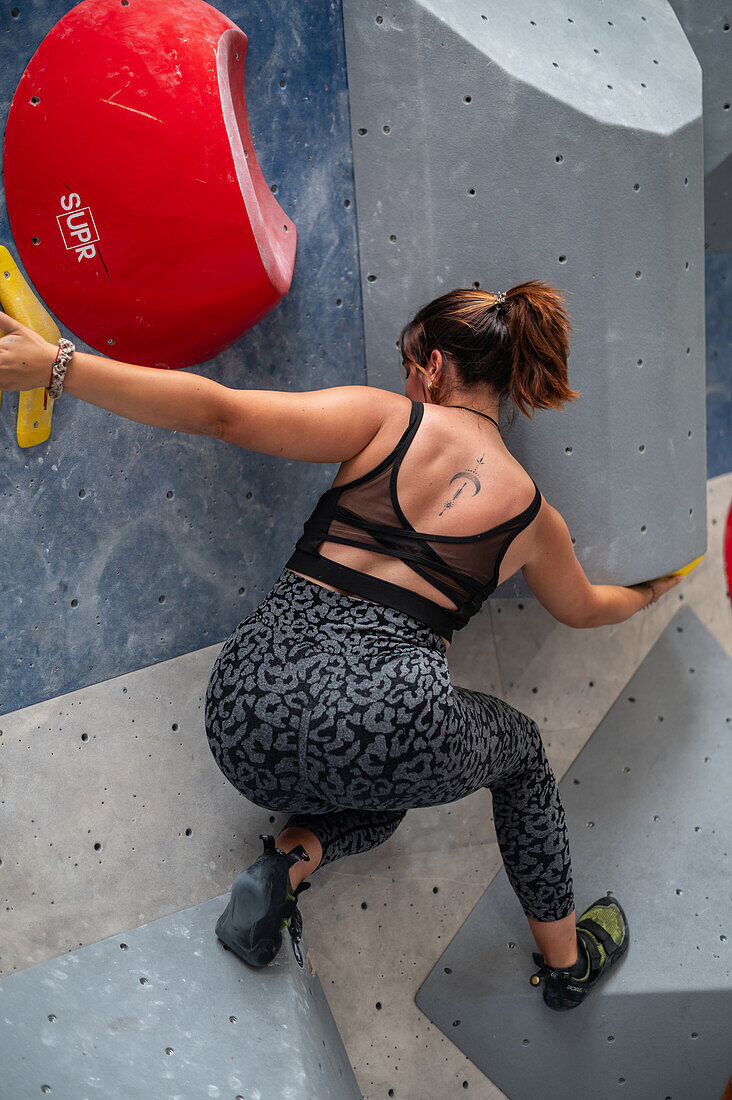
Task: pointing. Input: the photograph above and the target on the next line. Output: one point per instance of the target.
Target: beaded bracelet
(654, 598)
(55, 386)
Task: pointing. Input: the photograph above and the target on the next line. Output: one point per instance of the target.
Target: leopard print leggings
(341, 712)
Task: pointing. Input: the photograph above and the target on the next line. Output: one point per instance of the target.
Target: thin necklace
(472, 411)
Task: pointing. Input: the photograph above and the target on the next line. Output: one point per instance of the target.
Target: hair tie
(500, 297)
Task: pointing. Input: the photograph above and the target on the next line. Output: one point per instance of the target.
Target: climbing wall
(124, 545)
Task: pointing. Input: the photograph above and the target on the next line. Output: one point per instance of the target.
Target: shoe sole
(247, 909)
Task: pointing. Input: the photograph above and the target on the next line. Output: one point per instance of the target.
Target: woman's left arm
(329, 425)
(165, 399)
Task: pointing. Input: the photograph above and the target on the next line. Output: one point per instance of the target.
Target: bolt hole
(35, 100)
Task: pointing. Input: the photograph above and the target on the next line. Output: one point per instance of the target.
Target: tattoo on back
(465, 477)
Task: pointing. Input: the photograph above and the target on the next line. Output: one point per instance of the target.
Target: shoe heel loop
(269, 844)
(297, 854)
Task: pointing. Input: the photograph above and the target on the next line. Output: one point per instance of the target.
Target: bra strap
(473, 411)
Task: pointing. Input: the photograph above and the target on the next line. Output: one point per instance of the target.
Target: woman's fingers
(9, 326)
(664, 584)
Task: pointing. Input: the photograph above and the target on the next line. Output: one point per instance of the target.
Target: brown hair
(518, 347)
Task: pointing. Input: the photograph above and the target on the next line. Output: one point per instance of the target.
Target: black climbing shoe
(602, 939)
(262, 904)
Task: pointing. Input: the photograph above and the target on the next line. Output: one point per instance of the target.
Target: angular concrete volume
(648, 808)
(167, 1011)
(496, 143)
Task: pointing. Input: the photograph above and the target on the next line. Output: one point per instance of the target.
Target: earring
(429, 385)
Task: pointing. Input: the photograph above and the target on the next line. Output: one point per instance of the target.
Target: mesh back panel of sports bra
(366, 513)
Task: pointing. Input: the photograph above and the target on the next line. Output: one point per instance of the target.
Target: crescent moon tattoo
(465, 476)
(470, 477)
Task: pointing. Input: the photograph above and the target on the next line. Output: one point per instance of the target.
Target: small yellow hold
(536, 980)
(686, 569)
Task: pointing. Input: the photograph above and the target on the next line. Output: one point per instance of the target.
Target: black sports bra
(366, 513)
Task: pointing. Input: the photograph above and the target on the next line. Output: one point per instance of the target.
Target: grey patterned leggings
(342, 713)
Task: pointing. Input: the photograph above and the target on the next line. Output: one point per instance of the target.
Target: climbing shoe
(602, 939)
(262, 905)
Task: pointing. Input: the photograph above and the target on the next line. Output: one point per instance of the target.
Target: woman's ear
(435, 366)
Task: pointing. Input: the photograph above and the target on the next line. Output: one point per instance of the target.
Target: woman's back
(455, 479)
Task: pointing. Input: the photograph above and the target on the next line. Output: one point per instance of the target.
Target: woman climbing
(332, 700)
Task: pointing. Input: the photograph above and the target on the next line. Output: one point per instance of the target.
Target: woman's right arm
(560, 584)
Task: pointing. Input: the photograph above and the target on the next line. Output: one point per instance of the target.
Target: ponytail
(539, 329)
(518, 347)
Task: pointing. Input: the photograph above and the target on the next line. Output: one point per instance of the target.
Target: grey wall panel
(167, 1011)
(122, 545)
(496, 144)
(648, 812)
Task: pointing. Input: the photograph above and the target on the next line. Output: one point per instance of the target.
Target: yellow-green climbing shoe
(602, 939)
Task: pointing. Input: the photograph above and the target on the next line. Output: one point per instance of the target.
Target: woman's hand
(25, 357)
(659, 585)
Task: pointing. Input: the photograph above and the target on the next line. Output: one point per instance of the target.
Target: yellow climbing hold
(19, 302)
(686, 569)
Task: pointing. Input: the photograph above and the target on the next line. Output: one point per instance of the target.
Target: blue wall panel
(719, 362)
(123, 545)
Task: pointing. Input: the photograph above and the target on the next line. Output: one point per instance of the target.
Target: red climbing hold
(728, 550)
(134, 195)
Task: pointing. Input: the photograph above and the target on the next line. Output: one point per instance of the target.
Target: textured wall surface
(493, 145)
(719, 362)
(708, 27)
(123, 545)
